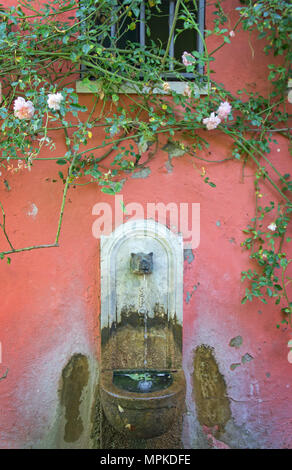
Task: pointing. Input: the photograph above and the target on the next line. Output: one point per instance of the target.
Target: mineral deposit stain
(75, 377)
(210, 393)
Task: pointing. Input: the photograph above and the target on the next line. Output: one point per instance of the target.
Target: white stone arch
(135, 234)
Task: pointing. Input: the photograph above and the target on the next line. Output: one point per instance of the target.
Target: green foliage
(44, 51)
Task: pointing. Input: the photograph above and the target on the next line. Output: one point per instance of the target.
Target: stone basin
(147, 412)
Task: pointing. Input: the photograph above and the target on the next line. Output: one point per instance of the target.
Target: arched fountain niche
(141, 327)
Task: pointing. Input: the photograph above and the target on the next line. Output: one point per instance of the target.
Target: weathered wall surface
(235, 360)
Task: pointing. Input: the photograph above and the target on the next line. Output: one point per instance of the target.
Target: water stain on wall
(75, 377)
(210, 392)
(123, 345)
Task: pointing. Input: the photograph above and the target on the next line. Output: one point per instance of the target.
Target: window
(148, 25)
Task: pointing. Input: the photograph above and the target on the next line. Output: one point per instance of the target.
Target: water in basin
(142, 381)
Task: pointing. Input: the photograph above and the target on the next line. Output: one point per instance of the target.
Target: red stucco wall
(50, 298)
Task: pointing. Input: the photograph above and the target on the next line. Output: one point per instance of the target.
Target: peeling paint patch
(236, 342)
(213, 442)
(189, 255)
(234, 365)
(75, 377)
(169, 166)
(246, 358)
(174, 149)
(210, 392)
(144, 173)
(33, 211)
(6, 184)
(189, 294)
(188, 297)
(218, 223)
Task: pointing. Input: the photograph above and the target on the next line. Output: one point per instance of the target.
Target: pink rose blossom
(185, 59)
(232, 33)
(23, 109)
(224, 110)
(54, 101)
(212, 122)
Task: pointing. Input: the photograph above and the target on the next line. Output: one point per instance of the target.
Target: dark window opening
(153, 32)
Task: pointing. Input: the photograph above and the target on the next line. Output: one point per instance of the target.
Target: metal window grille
(201, 25)
(142, 35)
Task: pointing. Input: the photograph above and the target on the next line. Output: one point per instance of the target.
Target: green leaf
(107, 190)
(86, 48)
(269, 292)
(123, 207)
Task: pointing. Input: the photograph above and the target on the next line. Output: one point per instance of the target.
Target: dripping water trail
(145, 325)
(143, 311)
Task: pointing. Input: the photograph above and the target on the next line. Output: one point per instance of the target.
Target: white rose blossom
(272, 226)
(54, 101)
